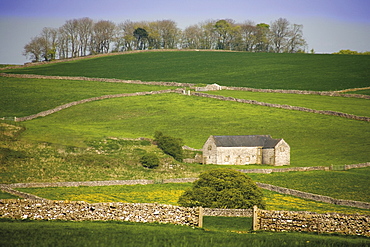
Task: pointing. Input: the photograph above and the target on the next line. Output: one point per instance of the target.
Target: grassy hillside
(23, 97)
(314, 139)
(257, 70)
(359, 107)
(348, 185)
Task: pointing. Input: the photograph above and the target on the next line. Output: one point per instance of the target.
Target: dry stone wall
(281, 221)
(287, 107)
(82, 211)
(225, 212)
(324, 93)
(314, 197)
(304, 169)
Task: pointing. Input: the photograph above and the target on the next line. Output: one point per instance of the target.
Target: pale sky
(328, 25)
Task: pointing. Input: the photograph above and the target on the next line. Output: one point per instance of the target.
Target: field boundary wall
(286, 107)
(226, 212)
(323, 93)
(82, 211)
(314, 197)
(289, 221)
(65, 106)
(11, 188)
(305, 169)
(183, 91)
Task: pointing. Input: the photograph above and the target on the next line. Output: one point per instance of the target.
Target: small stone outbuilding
(209, 87)
(246, 149)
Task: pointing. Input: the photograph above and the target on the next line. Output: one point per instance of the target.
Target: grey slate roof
(264, 141)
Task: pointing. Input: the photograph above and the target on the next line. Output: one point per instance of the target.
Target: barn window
(282, 149)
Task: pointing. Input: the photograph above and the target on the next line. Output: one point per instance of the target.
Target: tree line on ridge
(84, 36)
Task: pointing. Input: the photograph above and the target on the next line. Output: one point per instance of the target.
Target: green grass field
(359, 107)
(22, 97)
(169, 194)
(60, 233)
(314, 139)
(4, 195)
(257, 70)
(58, 147)
(352, 184)
(366, 92)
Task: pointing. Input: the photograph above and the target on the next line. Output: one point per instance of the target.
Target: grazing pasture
(256, 70)
(61, 233)
(355, 106)
(170, 193)
(315, 139)
(85, 142)
(22, 97)
(351, 184)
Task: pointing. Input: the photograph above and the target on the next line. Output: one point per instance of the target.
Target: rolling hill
(257, 70)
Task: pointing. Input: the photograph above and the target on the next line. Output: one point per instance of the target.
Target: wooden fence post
(200, 221)
(255, 218)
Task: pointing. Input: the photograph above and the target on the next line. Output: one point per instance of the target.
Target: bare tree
(103, 36)
(49, 43)
(34, 49)
(125, 36)
(63, 43)
(296, 41)
(169, 34)
(81, 37)
(280, 32)
(248, 31)
(191, 37)
(84, 32)
(208, 39)
(70, 28)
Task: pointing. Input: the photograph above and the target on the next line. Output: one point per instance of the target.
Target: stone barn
(246, 149)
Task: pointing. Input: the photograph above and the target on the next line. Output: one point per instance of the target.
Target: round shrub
(150, 160)
(169, 145)
(223, 188)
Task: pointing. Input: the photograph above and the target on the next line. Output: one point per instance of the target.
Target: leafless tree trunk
(296, 42)
(34, 49)
(49, 43)
(71, 29)
(103, 36)
(279, 32)
(191, 37)
(84, 27)
(248, 32)
(169, 34)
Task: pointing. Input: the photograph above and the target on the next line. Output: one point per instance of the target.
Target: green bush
(170, 145)
(223, 188)
(150, 160)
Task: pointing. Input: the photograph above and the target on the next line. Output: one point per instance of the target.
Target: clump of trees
(169, 145)
(82, 37)
(223, 188)
(349, 52)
